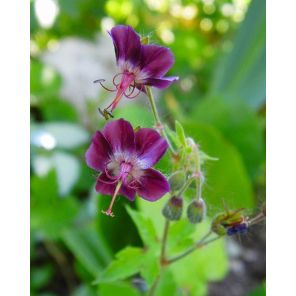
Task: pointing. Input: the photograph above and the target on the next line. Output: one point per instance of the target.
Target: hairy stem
(157, 120)
(185, 186)
(162, 256)
(164, 240)
(201, 243)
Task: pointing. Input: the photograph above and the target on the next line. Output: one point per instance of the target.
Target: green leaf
(66, 166)
(239, 124)
(88, 247)
(207, 264)
(57, 109)
(44, 80)
(180, 236)
(180, 133)
(227, 178)
(118, 288)
(167, 285)
(127, 263)
(145, 227)
(241, 72)
(41, 276)
(84, 290)
(50, 214)
(259, 291)
(150, 267)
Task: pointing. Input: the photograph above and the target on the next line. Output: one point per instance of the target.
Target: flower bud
(196, 211)
(177, 180)
(230, 223)
(173, 208)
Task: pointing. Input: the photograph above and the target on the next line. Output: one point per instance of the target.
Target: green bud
(196, 211)
(173, 208)
(177, 180)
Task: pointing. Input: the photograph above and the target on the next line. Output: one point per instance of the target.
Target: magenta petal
(155, 61)
(107, 186)
(104, 185)
(150, 147)
(128, 192)
(161, 82)
(97, 155)
(127, 45)
(152, 185)
(120, 135)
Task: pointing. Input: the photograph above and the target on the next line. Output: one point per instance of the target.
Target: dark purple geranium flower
(125, 157)
(139, 64)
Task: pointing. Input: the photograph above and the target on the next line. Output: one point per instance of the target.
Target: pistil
(109, 211)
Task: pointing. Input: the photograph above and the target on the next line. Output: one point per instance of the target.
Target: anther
(103, 86)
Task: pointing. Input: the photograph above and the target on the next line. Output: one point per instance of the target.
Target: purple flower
(139, 65)
(125, 157)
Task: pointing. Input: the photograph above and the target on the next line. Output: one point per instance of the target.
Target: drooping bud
(173, 208)
(177, 180)
(196, 211)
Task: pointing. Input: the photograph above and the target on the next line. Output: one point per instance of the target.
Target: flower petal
(161, 82)
(128, 192)
(104, 185)
(97, 155)
(152, 185)
(127, 45)
(155, 61)
(150, 147)
(120, 135)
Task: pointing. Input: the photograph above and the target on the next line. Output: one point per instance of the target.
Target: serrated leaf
(118, 288)
(167, 285)
(127, 263)
(203, 265)
(180, 234)
(145, 227)
(150, 267)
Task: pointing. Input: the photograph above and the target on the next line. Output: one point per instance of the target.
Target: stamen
(103, 86)
(111, 177)
(117, 83)
(106, 114)
(109, 211)
(132, 97)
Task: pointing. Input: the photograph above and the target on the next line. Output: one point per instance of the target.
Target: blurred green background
(219, 46)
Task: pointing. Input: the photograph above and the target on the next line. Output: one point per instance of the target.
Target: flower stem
(153, 107)
(185, 186)
(201, 243)
(163, 261)
(164, 240)
(158, 123)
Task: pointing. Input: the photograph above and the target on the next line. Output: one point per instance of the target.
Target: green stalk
(157, 120)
